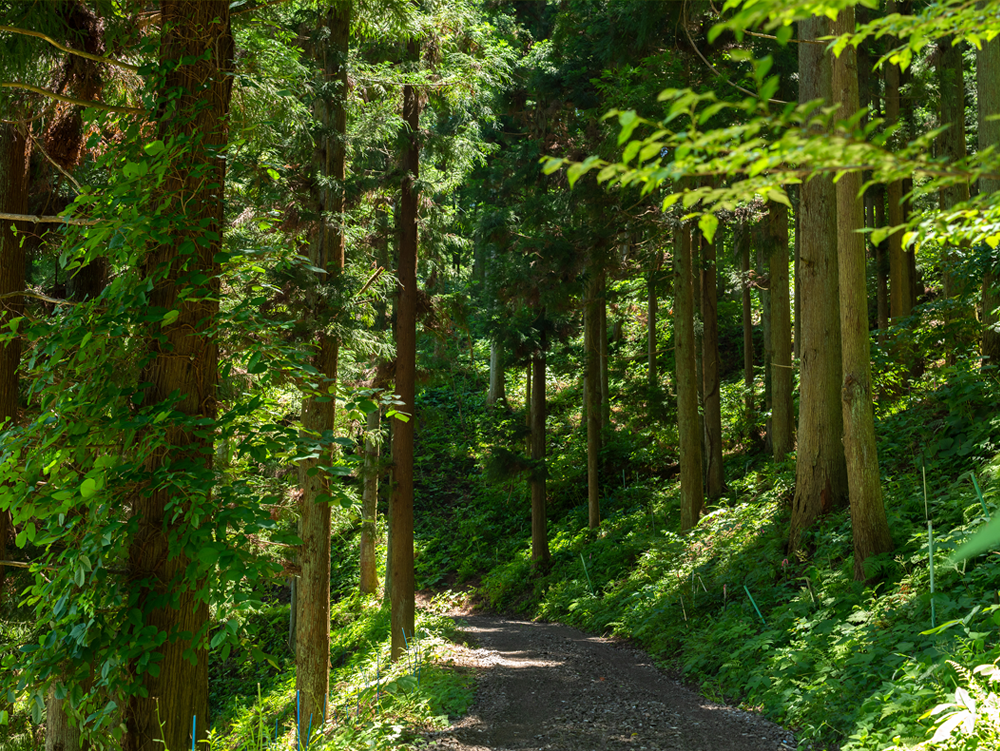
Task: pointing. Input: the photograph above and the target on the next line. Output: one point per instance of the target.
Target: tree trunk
(868, 519)
(715, 482)
(498, 385)
(652, 375)
(60, 735)
(539, 533)
(592, 394)
(369, 506)
(881, 264)
(326, 251)
(688, 421)
(782, 409)
(764, 292)
(13, 200)
(820, 468)
(988, 84)
(797, 294)
(602, 343)
(184, 361)
(951, 147)
(900, 284)
(401, 502)
(741, 239)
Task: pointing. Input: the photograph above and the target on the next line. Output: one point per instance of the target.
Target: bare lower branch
(70, 50)
(70, 100)
(37, 296)
(33, 219)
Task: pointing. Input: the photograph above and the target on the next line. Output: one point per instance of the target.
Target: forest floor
(549, 686)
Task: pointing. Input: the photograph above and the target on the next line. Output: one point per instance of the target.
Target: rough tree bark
(326, 251)
(868, 520)
(715, 481)
(184, 361)
(820, 468)
(900, 284)
(401, 500)
(498, 384)
(741, 239)
(782, 410)
(13, 200)
(688, 420)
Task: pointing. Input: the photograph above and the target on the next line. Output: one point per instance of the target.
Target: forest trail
(549, 686)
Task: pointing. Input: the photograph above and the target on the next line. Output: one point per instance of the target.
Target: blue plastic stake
(194, 730)
(298, 720)
(276, 730)
(754, 604)
(309, 732)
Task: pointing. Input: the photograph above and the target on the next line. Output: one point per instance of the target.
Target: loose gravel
(548, 686)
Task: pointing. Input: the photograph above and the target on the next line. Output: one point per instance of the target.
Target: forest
(674, 321)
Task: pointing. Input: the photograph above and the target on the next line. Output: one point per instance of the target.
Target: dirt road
(548, 686)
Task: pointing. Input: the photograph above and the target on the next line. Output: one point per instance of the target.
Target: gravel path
(548, 686)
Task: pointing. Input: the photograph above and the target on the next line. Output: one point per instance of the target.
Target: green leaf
(986, 538)
(154, 148)
(273, 174)
(552, 165)
(88, 487)
(708, 224)
(628, 121)
(208, 555)
(169, 317)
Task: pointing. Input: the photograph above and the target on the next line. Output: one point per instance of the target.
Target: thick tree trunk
(401, 502)
(988, 85)
(820, 468)
(715, 482)
(13, 200)
(688, 420)
(369, 506)
(764, 293)
(592, 394)
(868, 519)
(326, 251)
(782, 410)
(498, 384)
(185, 362)
(881, 264)
(741, 239)
(60, 735)
(539, 533)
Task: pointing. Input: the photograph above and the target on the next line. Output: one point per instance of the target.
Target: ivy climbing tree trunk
(326, 252)
(782, 411)
(196, 49)
(688, 421)
(820, 468)
(401, 499)
(868, 520)
(13, 200)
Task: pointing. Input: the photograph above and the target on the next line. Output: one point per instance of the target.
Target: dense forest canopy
(308, 306)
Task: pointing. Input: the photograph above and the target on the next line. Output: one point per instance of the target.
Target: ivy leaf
(708, 224)
(88, 487)
(169, 317)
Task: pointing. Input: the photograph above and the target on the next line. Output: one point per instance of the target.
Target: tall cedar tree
(688, 420)
(868, 521)
(401, 501)
(715, 482)
(592, 392)
(13, 200)
(184, 361)
(539, 521)
(782, 411)
(900, 285)
(820, 468)
(326, 252)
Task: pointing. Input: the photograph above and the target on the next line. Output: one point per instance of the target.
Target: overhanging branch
(31, 218)
(70, 100)
(70, 50)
